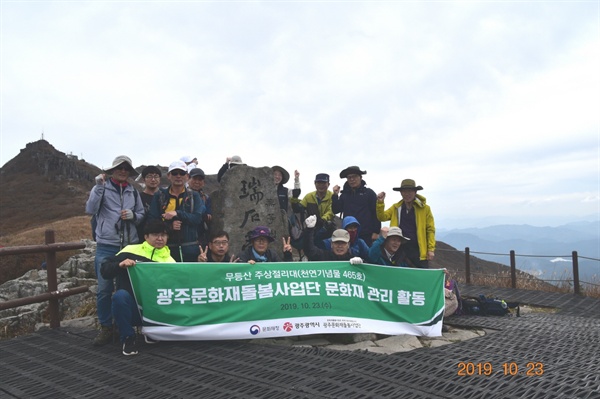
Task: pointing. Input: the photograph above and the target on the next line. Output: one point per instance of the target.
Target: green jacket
(424, 221)
(325, 209)
(148, 251)
(143, 252)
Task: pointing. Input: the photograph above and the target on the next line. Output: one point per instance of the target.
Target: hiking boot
(105, 336)
(150, 340)
(129, 346)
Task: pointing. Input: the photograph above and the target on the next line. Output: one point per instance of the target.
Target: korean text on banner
(212, 301)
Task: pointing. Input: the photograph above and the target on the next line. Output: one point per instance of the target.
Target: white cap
(178, 165)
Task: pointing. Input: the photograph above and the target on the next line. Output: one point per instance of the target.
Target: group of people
(172, 224)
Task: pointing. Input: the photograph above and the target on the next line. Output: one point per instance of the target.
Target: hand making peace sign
(203, 257)
(287, 247)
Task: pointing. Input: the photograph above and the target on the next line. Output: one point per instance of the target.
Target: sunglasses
(178, 173)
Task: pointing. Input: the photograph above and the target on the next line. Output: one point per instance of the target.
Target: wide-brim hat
(118, 161)
(285, 176)
(408, 184)
(236, 160)
(396, 231)
(261, 231)
(352, 170)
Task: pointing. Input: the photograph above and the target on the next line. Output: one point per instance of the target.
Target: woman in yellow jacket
(415, 219)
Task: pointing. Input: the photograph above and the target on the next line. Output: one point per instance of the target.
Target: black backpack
(483, 306)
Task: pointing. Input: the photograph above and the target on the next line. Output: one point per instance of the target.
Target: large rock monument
(247, 198)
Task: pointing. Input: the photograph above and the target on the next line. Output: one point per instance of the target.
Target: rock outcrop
(77, 271)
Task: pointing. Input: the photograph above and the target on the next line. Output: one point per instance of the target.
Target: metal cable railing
(575, 281)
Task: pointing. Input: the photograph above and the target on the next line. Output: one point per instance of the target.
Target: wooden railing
(53, 294)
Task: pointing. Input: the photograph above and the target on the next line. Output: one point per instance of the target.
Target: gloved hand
(99, 179)
(296, 193)
(357, 260)
(127, 214)
(311, 221)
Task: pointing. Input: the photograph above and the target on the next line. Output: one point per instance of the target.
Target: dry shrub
(562, 283)
(68, 230)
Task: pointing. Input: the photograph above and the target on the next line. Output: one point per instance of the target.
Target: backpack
(452, 285)
(482, 306)
(296, 227)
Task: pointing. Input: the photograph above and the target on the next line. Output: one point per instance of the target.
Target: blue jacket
(360, 203)
(378, 256)
(190, 213)
(357, 248)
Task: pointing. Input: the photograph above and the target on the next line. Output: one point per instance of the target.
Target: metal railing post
(52, 283)
(513, 269)
(576, 287)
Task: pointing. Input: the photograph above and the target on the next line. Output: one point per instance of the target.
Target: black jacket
(317, 254)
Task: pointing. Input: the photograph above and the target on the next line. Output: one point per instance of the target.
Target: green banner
(212, 301)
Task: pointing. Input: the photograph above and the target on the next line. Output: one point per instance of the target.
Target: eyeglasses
(152, 177)
(178, 173)
(220, 243)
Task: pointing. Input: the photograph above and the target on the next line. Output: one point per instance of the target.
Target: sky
(492, 107)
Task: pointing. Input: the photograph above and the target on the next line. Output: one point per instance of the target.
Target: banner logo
(287, 326)
(255, 329)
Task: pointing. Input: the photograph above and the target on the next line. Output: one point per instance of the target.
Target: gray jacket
(106, 201)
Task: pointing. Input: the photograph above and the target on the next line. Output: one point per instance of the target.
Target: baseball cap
(177, 165)
(340, 235)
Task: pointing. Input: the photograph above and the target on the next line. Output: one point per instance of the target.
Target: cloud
(492, 107)
(560, 260)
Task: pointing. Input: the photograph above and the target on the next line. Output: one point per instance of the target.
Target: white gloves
(357, 260)
(311, 221)
(128, 213)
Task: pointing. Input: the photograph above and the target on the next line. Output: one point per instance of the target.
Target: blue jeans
(126, 313)
(105, 287)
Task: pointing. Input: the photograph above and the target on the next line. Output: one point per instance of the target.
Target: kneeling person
(217, 249)
(387, 249)
(340, 245)
(257, 249)
(124, 308)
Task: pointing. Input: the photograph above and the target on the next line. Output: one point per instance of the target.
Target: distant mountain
(42, 185)
(548, 243)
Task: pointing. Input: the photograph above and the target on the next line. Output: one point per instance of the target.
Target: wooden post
(576, 287)
(468, 265)
(52, 284)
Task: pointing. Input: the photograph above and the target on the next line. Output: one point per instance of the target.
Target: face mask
(353, 235)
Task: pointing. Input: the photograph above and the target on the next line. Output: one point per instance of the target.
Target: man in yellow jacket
(414, 217)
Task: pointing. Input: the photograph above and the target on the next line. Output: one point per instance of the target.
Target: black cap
(197, 172)
(322, 177)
